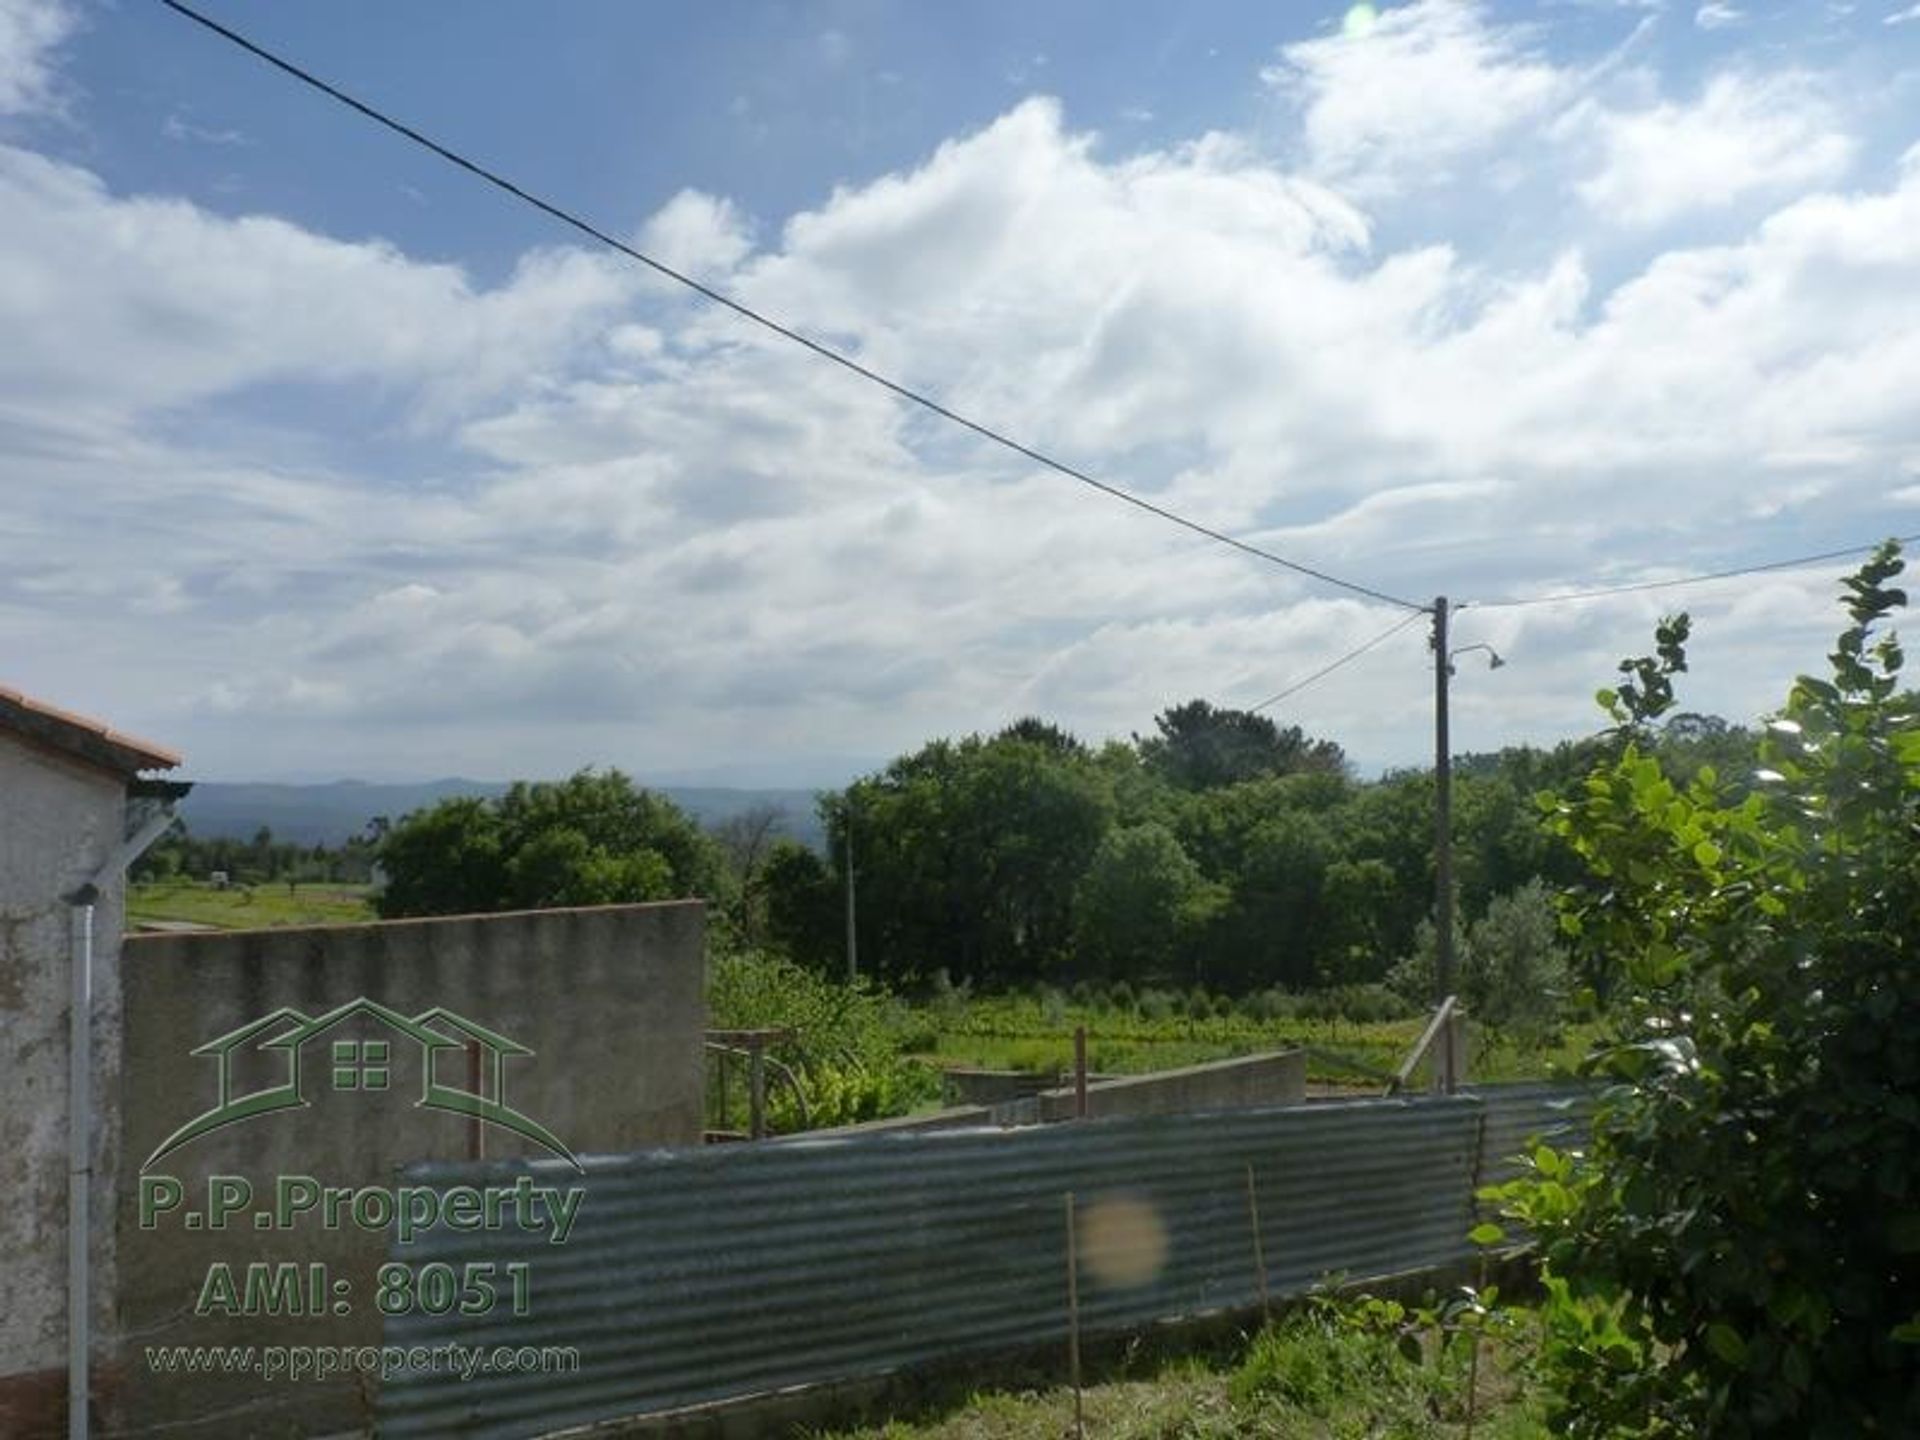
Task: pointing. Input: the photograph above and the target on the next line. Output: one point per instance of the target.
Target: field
(1302, 1376)
(1035, 1033)
(866, 1054)
(188, 902)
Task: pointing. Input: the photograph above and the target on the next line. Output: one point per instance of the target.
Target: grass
(1035, 1034)
(1304, 1376)
(247, 907)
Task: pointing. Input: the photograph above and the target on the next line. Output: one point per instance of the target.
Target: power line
(1326, 670)
(746, 312)
(1683, 580)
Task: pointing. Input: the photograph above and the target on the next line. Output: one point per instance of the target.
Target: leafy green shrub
(1737, 1252)
(1273, 1003)
(1374, 1365)
(1511, 965)
(847, 1044)
(1312, 1362)
(1361, 1004)
(1156, 1005)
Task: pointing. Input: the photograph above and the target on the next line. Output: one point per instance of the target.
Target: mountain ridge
(333, 811)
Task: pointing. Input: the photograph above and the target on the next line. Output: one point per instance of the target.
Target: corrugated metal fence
(694, 1276)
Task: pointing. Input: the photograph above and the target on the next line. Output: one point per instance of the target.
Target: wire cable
(1641, 585)
(1326, 670)
(826, 352)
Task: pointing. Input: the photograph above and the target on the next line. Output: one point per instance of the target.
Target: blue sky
(323, 459)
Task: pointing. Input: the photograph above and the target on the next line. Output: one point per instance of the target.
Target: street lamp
(1443, 659)
(1494, 662)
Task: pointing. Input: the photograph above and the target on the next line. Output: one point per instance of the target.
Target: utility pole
(853, 954)
(1442, 825)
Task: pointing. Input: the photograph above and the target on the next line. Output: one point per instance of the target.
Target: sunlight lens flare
(1122, 1242)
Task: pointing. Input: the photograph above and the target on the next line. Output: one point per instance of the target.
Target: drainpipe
(80, 1117)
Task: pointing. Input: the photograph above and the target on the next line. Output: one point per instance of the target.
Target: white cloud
(1421, 91)
(1717, 15)
(598, 524)
(697, 234)
(174, 127)
(138, 304)
(1901, 17)
(1745, 134)
(30, 32)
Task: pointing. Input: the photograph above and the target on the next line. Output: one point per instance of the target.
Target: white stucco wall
(59, 821)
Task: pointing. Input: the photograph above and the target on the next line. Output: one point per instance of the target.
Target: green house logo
(363, 1064)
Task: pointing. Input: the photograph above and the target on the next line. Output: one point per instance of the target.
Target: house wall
(610, 1000)
(59, 822)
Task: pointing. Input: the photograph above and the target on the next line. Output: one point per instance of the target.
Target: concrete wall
(59, 822)
(963, 1086)
(1276, 1079)
(611, 1001)
(1279, 1078)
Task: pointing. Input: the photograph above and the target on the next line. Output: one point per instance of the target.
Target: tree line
(1219, 851)
(262, 860)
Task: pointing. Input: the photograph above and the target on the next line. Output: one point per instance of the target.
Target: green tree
(1139, 907)
(444, 860)
(967, 854)
(1736, 1252)
(803, 902)
(1199, 747)
(1510, 964)
(592, 839)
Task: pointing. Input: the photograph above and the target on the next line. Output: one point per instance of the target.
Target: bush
(1510, 965)
(847, 1040)
(1156, 1005)
(1273, 1003)
(1737, 1251)
(1357, 1004)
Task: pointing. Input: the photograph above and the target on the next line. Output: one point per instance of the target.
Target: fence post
(757, 1087)
(1073, 1320)
(1079, 1072)
(1259, 1257)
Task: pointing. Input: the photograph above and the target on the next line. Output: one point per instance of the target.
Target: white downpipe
(80, 1120)
(80, 1173)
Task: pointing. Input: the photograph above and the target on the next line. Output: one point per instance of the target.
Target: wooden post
(1259, 1258)
(1079, 1072)
(757, 1087)
(476, 1127)
(1073, 1321)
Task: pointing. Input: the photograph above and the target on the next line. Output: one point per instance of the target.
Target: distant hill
(331, 814)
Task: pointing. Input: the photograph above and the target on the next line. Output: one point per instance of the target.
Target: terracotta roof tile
(81, 735)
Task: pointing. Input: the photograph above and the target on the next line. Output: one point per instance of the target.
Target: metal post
(79, 1173)
(1442, 833)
